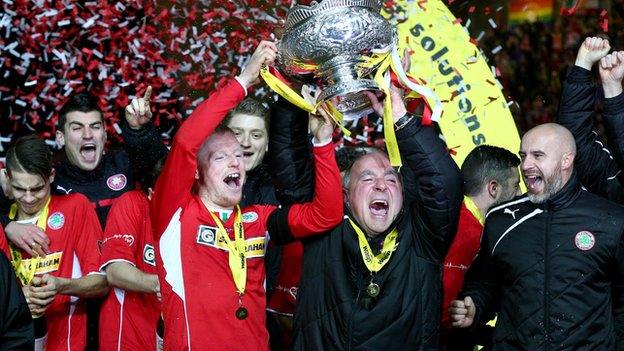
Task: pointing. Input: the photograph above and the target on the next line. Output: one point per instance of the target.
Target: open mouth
(533, 182)
(247, 154)
(378, 208)
(232, 180)
(88, 152)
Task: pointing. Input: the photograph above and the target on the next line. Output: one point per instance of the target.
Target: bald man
(551, 263)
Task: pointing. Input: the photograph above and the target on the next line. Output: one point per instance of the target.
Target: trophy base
(349, 97)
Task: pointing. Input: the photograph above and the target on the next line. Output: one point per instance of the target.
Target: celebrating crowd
(253, 233)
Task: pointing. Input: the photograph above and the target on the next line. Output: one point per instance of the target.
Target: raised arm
(437, 196)
(438, 183)
(611, 70)
(178, 174)
(141, 139)
(325, 211)
(593, 161)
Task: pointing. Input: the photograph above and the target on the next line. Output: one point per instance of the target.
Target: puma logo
(511, 212)
(58, 187)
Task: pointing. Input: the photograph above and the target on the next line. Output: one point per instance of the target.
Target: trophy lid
(300, 13)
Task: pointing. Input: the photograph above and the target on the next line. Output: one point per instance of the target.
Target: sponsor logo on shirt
(254, 247)
(249, 217)
(584, 240)
(47, 264)
(511, 212)
(206, 235)
(58, 187)
(128, 238)
(117, 182)
(56, 220)
(149, 255)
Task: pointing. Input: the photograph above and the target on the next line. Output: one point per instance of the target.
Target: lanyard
(376, 263)
(237, 260)
(472, 207)
(25, 270)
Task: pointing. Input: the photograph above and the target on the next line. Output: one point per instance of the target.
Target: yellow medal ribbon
(236, 257)
(25, 271)
(296, 99)
(472, 207)
(382, 79)
(285, 91)
(376, 263)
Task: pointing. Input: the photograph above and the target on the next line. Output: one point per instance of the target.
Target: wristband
(403, 121)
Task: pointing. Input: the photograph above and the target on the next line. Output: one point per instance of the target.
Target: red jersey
(284, 298)
(74, 231)
(128, 319)
(461, 254)
(199, 295)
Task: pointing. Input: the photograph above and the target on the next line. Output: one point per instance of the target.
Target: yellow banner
(474, 109)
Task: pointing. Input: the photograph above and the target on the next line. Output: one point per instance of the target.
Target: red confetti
(568, 11)
(115, 49)
(604, 21)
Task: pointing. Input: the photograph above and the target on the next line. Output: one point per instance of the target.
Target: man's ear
(493, 188)
(60, 138)
(52, 174)
(567, 160)
(196, 174)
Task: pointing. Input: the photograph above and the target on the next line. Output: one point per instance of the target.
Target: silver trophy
(328, 44)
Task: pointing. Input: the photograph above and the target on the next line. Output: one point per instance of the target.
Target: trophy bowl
(331, 44)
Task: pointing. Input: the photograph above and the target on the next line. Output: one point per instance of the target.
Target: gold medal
(372, 290)
(241, 313)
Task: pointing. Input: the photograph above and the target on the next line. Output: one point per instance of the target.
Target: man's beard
(552, 185)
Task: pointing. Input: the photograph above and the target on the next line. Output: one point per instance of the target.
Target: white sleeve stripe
(103, 266)
(615, 175)
(96, 273)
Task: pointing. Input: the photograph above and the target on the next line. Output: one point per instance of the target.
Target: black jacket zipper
(356, 305)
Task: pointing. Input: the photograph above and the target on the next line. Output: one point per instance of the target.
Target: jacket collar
(380, 236)
(564, 197)
(79, 174)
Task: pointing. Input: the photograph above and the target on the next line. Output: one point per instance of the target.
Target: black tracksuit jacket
(142, 149)
(16, 326)
(598, 165)
(334, 312)
(553, 272)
